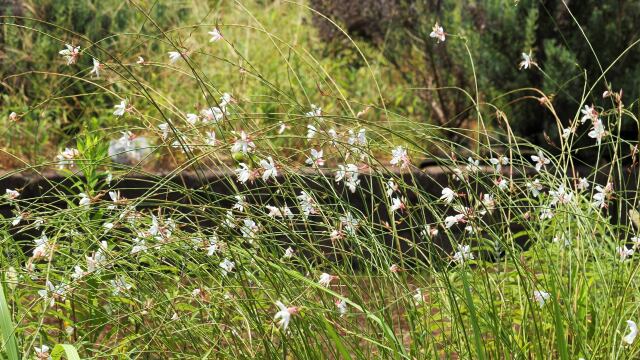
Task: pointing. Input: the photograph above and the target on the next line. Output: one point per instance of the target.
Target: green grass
(141, 277)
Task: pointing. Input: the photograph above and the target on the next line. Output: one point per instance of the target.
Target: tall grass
(491, 259)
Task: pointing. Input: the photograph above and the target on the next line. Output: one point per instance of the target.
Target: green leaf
(65, 349)
(336, 339)
(9, 342)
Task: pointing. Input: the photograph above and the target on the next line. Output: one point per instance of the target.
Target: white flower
(16, 220)
(589, 113)
(215, 35)
(633, 332)
(52, 293)
(243, 173)
(624, 253)
(583, 184)
(211, 138)
(399, 157)
(288, 254)
(119, 285)
(192, 118)
(249, 229)
(429, 232)
(449, 221)
(227, 266)
(12, 194)
(42, 353)
(284, 315)
(325, 279)
(541, 297)
(214, 246)
(602, 195)
(316, 158)
(527, 62)
(307, 203)
(349, 223)
(342, 307)
(503, 184)
(349, 174)
(96, 68)
(270, 170)
(598, 131)
(437, 33)
(311, 132)
(315, 112)
(120, 109)
(560, 196)
(244, 144)
(139, 246)
(84, 200)
(448, 195)
(66, 157)
(546, 213)
(489, 204)
(174, 56)
(534, 187)
(397, 204)
(279, 212)
(140, 60)
(229, 220)
(391, 187)
(44, 247)
(71, 54)
(164, 129)
(499, 162)
(13, 116)
(566, 132)
(418, 297)
(282, 127)
(540, 160)
(240, 203)
(464, 253)
(473, 165)
(213, 114)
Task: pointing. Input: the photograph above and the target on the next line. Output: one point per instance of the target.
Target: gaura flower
(215, 35)
(541, 297)
(633, 332)
(598, 131)
(120, 109)
(437, 33)
(96, 68)
(315, 112)
(540, 160)
(463, 254)
(624, 253)
(448, 195)
(270, 169)
(342, 307)
(527, 61)
(311, 132)
(243, 144)
(326, 279)
(283, 316)
(316, 158)
(227, 266)
(174, 56)
(499, 162)
(589, 113)
(12, 194)
(399, 157)
(602, 195)
(397, 204)
(70, 54)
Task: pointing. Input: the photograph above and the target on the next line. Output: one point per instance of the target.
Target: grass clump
(289, 222)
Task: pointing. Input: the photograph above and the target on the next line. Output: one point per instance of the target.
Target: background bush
(495, 33)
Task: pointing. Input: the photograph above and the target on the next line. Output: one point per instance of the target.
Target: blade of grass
(10, 343)
(65, 349)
